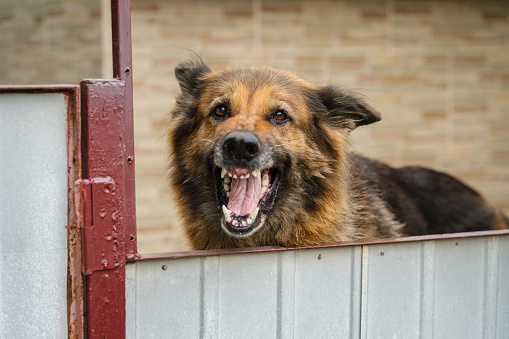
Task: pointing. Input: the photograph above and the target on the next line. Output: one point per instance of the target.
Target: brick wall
(49, 41)
(438, 71)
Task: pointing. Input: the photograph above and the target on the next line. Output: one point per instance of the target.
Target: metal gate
(40, 278)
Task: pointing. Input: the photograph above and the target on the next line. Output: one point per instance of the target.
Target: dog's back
(427, 201)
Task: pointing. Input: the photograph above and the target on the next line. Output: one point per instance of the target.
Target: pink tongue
(244, 195)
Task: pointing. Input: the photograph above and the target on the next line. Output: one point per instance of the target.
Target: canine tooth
(226, 187)
(265, 179)
(227, 213)
(256, 174)
(254, 213)
(263, 190)
(227, 180)
(223, 172)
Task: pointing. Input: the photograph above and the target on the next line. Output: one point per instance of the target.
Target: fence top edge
(364, 242)
(38, 88)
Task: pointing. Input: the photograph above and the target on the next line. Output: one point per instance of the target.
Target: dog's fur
(248, 119)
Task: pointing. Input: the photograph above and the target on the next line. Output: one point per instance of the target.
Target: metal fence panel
(453, 288)
(501, 295)
(33, 215)
(326, 293)
(167, 299)
(247, 293)
(392, 290)
(459, 276)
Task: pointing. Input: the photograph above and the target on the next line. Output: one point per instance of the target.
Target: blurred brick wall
(438, 71)
(49, 41)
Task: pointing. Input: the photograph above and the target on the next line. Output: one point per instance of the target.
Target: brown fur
(320, 192)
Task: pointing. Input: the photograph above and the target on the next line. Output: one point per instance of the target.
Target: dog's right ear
(188, 74)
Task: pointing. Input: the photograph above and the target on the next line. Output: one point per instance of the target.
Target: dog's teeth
(249, 220)
(244, 223)
(229, 174)
(265, 179)
(256, 174)
(226, 187)
(235, 176)
(242, 177)
(227, 180)
(246, 176)
(254, 213)
(263, 190)
(229, 219)
(228, 194)
(223, 172)
(227, 213)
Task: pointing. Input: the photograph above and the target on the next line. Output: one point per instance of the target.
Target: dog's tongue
(244, 195)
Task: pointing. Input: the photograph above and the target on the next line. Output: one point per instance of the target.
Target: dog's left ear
(346, 109)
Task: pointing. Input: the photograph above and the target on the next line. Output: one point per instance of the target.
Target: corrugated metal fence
(452, 288)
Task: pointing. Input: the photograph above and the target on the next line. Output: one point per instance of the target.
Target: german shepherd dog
(260, 157)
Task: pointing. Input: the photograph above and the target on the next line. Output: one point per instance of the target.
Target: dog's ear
(346, 109)
(188, 75)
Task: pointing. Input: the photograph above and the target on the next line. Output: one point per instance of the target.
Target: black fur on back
(426, 201)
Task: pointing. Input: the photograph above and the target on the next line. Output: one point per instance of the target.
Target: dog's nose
(241, 145)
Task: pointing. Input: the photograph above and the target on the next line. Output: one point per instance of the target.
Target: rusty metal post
(107, 188)
(122, 69)
(103, 196)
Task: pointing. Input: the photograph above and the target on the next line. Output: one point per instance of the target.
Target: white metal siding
(454, 288)
(33, 216)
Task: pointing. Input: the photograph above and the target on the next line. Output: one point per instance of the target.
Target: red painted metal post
(108, 188)
(103, 195)
(122, 69)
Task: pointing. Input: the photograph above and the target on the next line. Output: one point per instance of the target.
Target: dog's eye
(220, 111)
(280, 117)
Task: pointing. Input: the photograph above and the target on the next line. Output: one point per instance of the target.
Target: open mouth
(244, 195)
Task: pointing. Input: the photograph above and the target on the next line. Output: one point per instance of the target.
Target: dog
(260, 157)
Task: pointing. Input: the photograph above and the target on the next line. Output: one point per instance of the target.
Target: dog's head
(248, 140)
